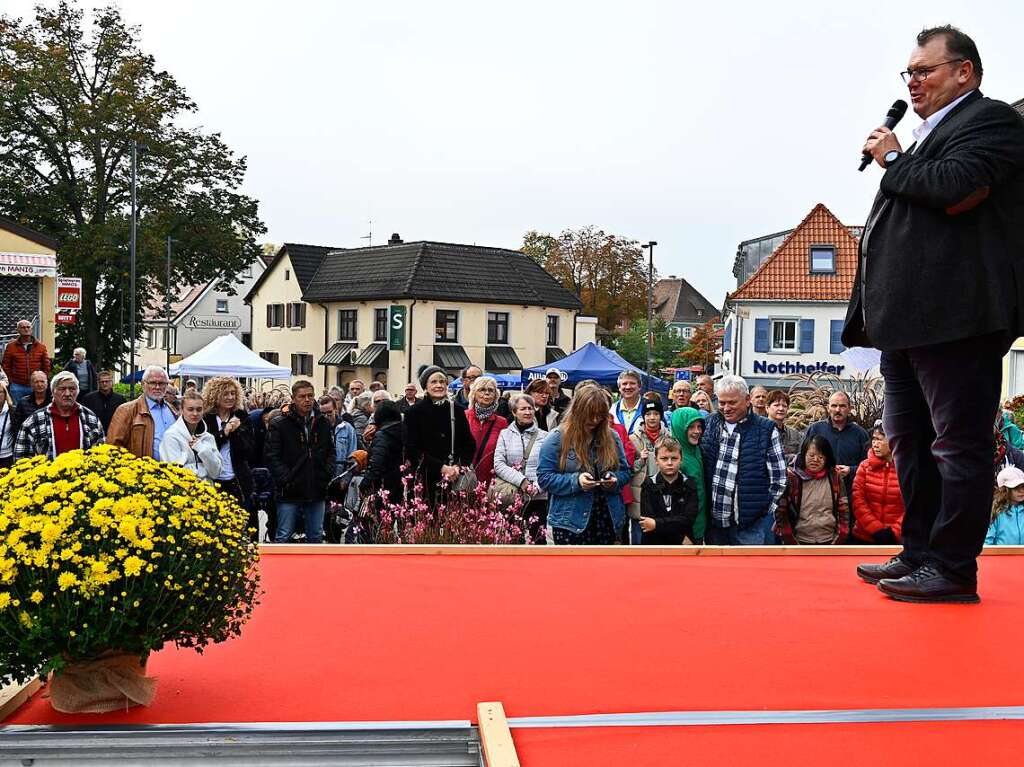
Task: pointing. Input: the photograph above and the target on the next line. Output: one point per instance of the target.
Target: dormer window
(823, 259)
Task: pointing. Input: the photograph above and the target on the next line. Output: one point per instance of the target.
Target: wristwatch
(892, 156)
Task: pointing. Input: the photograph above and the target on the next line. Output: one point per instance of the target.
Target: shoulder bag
(504, 492)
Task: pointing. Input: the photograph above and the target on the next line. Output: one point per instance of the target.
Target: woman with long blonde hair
(230, 426)
(583, 468)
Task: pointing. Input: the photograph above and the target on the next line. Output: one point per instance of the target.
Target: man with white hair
(62, 426)
(139, 425)
(84, 372)
(744, 469)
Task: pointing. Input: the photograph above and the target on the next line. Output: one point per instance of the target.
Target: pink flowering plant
(467, 517)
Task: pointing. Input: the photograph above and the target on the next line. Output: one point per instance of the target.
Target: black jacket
(672, 524)
(384, 469)
(90, 376)
(243, 447)
(926, 276)
(103, 407)
(428, 437)
(301, 466)
(26, 407)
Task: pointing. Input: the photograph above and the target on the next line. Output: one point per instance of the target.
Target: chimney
(395, 239)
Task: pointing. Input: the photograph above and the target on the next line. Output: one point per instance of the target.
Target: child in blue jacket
(1007, 528)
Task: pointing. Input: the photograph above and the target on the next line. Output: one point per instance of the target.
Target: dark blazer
(301, 466)
(925, 275)
(103, 407)
(242, 443)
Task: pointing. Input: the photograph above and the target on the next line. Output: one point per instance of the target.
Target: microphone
(892, 117)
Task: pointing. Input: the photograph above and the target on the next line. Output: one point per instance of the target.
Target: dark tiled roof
(451, 356)
(339, 354)
(305, 261)
(437, 271)
(501, 358)
(553, 354)
(372, 355)
(786, 274)
(29, 234)
(676, 300)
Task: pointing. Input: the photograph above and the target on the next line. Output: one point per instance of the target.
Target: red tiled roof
(786, 274)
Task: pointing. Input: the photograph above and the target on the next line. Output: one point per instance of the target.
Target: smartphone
(608, 475)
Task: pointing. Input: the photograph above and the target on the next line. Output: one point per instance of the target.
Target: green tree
(666, 345)
(607, 272)
(74, 95)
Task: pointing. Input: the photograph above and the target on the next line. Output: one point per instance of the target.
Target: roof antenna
(369, 237)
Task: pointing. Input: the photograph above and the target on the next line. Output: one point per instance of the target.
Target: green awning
(339, 354)
(553, 354)
(451, 357)
(501, 358)
(373, 356)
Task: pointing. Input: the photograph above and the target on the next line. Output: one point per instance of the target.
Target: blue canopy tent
(596, 362)
(505, 382)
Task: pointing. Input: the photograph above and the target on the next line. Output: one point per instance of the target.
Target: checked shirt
(724, 494)
(36, 435)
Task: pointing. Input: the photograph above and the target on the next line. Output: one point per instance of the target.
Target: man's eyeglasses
(921, 73)
(157, 383)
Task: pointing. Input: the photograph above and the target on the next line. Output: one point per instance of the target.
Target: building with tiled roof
(379, 313)
(195, 315)
(682, 306)
(787, 316)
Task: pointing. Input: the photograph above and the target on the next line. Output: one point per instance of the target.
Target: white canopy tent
(227, 356)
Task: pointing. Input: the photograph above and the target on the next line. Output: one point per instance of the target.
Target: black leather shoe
(894, 568)
(927, 584)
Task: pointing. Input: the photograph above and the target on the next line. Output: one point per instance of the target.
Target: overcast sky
(473, 122)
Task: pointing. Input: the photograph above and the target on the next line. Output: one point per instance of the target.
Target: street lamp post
(650, 307)
(136, 149)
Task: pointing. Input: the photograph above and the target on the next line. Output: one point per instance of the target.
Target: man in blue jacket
(744, 469)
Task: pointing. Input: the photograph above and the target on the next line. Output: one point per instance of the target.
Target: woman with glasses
(484, 424)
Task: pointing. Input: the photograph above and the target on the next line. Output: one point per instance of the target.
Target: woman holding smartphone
(583, 469)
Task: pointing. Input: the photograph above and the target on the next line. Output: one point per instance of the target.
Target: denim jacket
(568, 504)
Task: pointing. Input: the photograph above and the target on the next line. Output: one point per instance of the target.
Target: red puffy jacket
(20, 365)
(877, 500)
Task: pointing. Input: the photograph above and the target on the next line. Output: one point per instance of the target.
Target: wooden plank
(495, 737)
(13, 696)
(601, 551)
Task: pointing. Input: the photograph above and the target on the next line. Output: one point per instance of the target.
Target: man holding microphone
(940, 291)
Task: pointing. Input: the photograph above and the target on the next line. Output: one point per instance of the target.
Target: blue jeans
(758, 534)
(17, 392)
(288, 512)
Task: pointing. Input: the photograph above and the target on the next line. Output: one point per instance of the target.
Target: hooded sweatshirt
(692, 464)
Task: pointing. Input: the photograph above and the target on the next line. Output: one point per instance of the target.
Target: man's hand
(647, 524)
(880, 141)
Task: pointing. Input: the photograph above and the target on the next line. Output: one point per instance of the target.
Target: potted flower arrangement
(104, 557)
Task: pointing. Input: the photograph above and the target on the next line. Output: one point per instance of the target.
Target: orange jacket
(20, 365)
(877, 500)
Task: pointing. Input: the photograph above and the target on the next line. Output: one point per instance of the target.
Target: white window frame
(810, 256)
(687, 333)
(772, 348)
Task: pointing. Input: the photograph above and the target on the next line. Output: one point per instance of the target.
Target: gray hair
(148, 372)
(513, 401)
(64, 375)
(732, 383)
(78, 350)
(479, 382)
(380, 394)
(628, 374)
(362, 399)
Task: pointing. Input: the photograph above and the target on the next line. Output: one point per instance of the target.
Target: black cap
(652, 404)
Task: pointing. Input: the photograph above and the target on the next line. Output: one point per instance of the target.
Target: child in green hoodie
(687, 429)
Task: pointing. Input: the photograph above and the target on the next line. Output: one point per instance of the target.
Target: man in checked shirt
(744, 469)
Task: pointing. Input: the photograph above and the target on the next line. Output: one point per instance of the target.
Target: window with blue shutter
(727, 338)
(762, 343)
(836, 335)
(807, 336)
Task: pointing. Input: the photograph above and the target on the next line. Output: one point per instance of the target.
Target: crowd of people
(715, 463)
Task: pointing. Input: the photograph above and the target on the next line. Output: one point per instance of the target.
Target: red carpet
(386, 637)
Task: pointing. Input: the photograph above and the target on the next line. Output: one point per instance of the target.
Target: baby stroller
(343, 501)
(263, 501)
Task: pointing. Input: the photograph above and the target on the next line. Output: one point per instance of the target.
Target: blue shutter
(761, 341)
(836, 335)
(807, 336)
(727, 338)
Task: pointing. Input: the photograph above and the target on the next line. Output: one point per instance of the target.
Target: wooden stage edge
(600, 551)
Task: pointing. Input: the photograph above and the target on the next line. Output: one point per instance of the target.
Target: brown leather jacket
(132, 427)
(20, 365)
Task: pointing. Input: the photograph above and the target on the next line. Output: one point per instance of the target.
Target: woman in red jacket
(877, 501)
(485, 425)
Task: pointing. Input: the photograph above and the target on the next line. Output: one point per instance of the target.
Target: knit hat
(652, 404)
(424, 373)
(1011, 476)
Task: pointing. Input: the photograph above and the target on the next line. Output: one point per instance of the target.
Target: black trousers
(940, 403)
